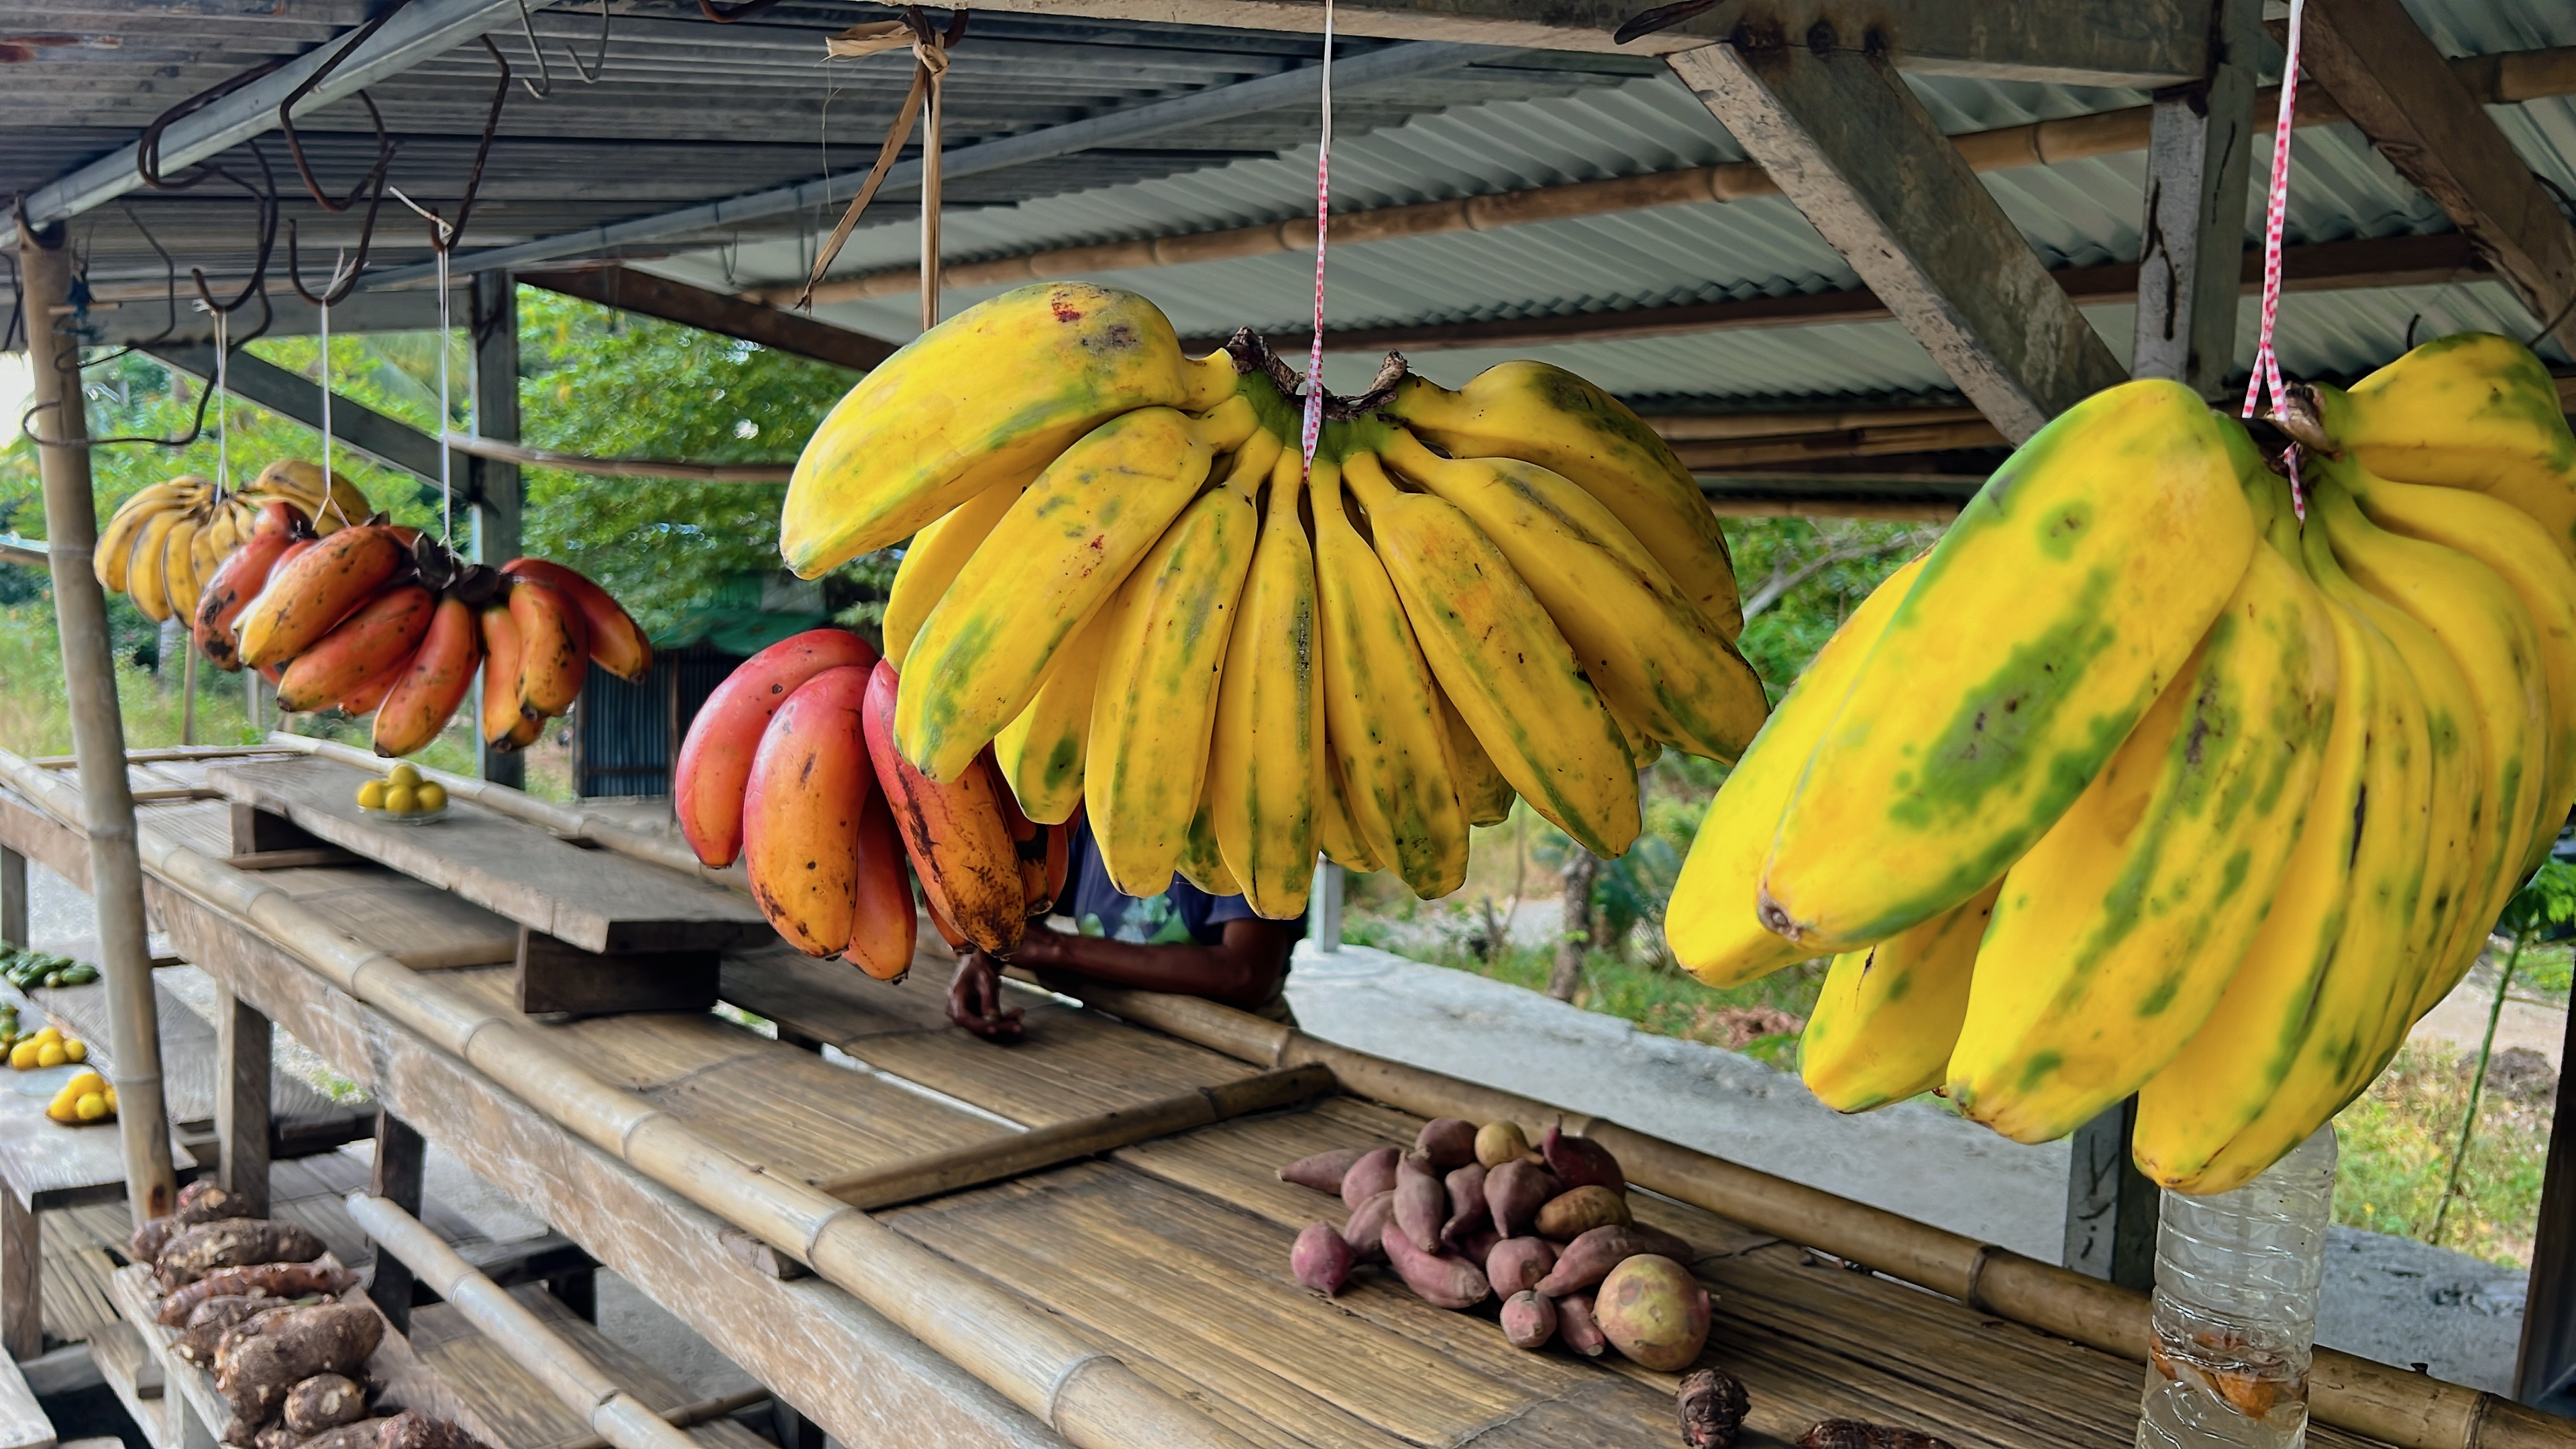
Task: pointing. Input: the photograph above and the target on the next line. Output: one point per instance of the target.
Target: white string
(1314, 422)
(2267, 363)
(330, 495)
(446, 455)
(223, 424)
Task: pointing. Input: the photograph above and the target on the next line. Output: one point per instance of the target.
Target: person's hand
(975, 999)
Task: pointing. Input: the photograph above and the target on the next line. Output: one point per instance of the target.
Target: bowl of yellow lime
(403, 797)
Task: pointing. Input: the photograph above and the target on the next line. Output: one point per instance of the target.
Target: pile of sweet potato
(1469, 1214)
(257, 1306)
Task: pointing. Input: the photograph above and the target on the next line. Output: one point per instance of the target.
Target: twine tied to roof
(930, 63)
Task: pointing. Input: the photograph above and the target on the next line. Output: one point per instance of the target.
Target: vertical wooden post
(2544, 1374)
(496, 488)
(242, 1069)
(2192, 238)
(2111, 1207)
(13, 897)
(98, 730)
(400, 1155)
(22, 1301)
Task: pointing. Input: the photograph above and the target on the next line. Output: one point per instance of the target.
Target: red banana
(616, 641)
(955, 834)
(809, 781)
(379, 636)
(425, 696)
(715, 760)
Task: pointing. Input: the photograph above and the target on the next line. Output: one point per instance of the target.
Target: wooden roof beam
(2391, 81)
(642, 292)
(1856, 151)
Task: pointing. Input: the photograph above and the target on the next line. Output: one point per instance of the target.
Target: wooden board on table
(586, 898)
(298, 1115)
(50, 1165)
(521, 1409)
(23, 1422)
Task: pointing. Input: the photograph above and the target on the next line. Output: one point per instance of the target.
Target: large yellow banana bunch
(1125, 578)
(164, 543)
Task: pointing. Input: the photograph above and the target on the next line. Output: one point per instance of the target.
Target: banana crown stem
(1368, 479)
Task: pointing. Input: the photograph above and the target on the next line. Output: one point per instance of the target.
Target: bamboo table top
(1173, 1253)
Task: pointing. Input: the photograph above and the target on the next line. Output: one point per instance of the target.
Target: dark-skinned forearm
(1243, 970)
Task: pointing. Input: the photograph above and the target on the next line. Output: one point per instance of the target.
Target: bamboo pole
(1025, 1354)
(98, 730)
(614, 1414)
(688, 1415)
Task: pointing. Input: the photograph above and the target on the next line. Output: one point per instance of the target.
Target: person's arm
(1242, 969)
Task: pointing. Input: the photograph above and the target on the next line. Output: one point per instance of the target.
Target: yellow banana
(222, 534)
(1482, 791)
(1155, 704)
(1201, 863)
(987, 398)
(2290, 1017)
(931, 561)
(1883, 1026)
(1712, 924)
(1061, 550)
(330, 506)
(1502, 662)
(2492, 639)
(2117, 932)
(2506, 540)
(146, 580)
(2046, 621)
(1384, 732)
(1269, 719)
(1042, 751)
(2472, 410)
(180, 579)
(1656, 658)
(116, 541)
(1548, 416)
(1336, 836)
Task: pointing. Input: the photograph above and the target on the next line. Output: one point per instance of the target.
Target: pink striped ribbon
(2267, 364)
(1314, 424)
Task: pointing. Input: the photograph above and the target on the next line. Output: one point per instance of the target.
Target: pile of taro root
(1469, 1214)
(256, 1305)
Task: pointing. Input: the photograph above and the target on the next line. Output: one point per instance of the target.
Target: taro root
(1361, 1232)
(1518, 1263)
(1576, 1211)
(1321, 1259)
(411, 1430)
(1853, 1434)
(1468, 1210)
(1450, 1142)
(1581, 1162)
(199, 1202)
(1654, 1312)
(274, 1280)
(1514, 1192)
(1371, 1174)
(358, 1434)
(259, 1361)
(1421, 1204)
(1323, 1172)
(1712, 1407)
(1500, 1142)
(1579, 1326)
(324, 1401)
(1589, 1258)
(209, 1321)
(1443, 1281)
(194, 1252)
(1529, 1320)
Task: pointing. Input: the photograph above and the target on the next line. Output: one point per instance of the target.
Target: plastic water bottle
(2235, 1316)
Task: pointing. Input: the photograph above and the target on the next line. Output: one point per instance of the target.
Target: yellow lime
(91, 1107)
(75, 1051)
(371, 795)
(51, 1033)
(403, 774)
(432, 796)
(50, 1054)
(402, 799)
(23, 1055)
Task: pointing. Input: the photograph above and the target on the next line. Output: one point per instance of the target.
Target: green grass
(2397, 1140)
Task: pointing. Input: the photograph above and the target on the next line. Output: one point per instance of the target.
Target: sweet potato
(409, 1430)
(260, 1361)
(1372, 1174)
(199, 1202)
(1500, 1142)
(1579, 1326)
(194, 1252)
(1361, 1232)
(272, 1280)
(324, 1401)
(211, 1320)
(1514, 1192)
(1478, 1245)
(1443, 1281)
(1529, 1321)
(1323, 1172)
(1712, 1406)
(1420, 1203)
(1578, 1210)
(1853, 1434)
(1468, 1210)
(1654, 1312)
(1450, 1142)
(1321, 1259)
(1588, 1259)
(1581, 1162)
(1518, 1263)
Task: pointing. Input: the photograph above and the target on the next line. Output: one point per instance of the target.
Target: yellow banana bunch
(162, 545)
(1126, 579)
(2233, 791)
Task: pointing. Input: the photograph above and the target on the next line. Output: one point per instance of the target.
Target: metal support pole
(1324, 916)
(98, 730)
(2200, 149)
(400, 1157)
(2111, 1207)
(495, 486)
